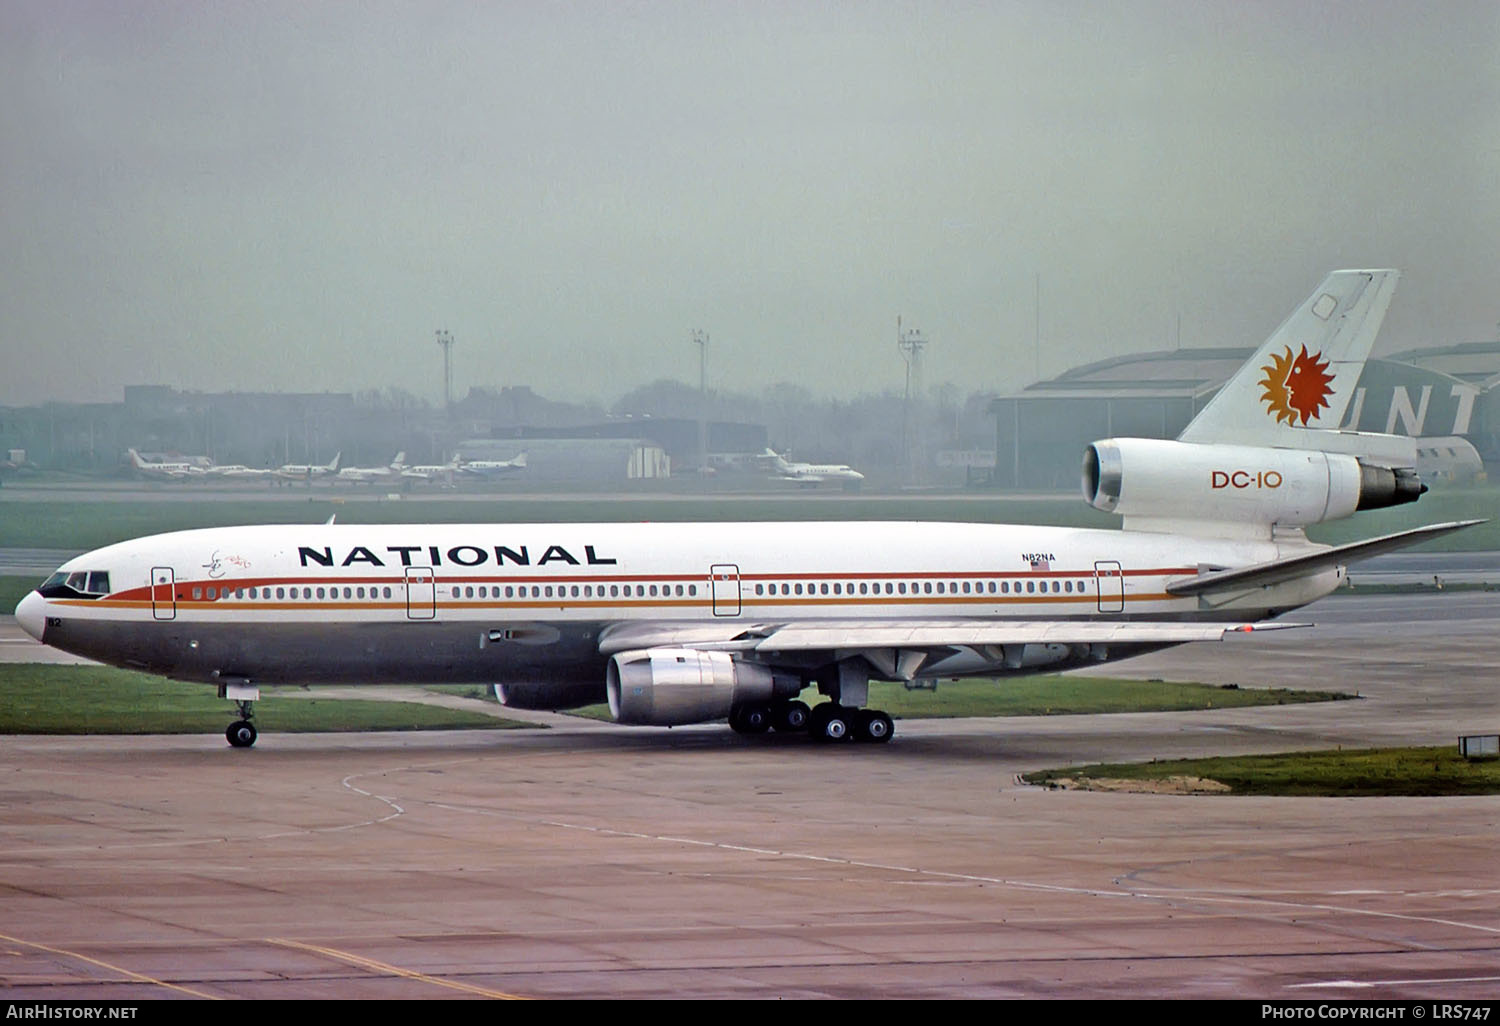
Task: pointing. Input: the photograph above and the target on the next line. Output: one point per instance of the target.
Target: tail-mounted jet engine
(666, 687)
(1144, 477)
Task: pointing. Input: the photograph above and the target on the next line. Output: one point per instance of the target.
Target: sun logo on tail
(1296, 386)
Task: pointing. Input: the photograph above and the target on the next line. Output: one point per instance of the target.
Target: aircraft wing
(836, 635)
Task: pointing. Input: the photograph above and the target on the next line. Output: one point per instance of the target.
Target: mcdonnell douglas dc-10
(688, 623)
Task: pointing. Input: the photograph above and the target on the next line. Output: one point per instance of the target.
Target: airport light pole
(910, 343)
(445, 341)
(700, 339)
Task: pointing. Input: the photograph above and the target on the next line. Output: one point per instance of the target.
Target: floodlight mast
(910, 343)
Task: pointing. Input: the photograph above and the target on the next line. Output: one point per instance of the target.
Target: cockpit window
(88, 584)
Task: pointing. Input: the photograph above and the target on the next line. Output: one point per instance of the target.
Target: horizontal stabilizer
(1262, 575)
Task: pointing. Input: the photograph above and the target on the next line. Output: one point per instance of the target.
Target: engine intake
(666, 687)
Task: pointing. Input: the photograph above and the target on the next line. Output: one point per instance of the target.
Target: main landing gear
(833, 722)
(827, 722)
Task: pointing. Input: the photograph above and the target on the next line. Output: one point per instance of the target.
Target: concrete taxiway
(589, 861)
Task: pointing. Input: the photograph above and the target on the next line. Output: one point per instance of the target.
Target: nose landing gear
(241, 733)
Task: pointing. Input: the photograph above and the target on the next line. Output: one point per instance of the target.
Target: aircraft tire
(791, 717)
(829, 723)
(874, 726)
(752, 718)
(241, 734)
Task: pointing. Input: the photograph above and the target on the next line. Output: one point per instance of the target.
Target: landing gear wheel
(873, 725)
(241, 734)
(791, 717)
(830, 722)
(753, 718)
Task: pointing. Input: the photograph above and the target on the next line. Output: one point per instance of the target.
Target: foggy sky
(288, 196)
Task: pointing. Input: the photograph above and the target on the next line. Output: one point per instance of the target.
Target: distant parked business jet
(808, 473)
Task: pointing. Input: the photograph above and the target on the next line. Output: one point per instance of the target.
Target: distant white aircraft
(807, 473)
(306, 471)
(430, 472)
(172, 471)
(676, 623)
(359, 475)
(493, 468)
(238, 470)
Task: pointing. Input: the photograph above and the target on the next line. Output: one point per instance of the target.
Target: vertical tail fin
(1299, 383)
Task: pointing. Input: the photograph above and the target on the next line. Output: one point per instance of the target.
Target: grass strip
(1427, 772)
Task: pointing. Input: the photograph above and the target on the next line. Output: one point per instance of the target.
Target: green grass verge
(38, 698)
(1365, 773)
(1056, 695)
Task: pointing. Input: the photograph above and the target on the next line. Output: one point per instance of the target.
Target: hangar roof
(1478, 363)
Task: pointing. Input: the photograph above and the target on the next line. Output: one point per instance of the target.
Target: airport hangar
(1446, 396)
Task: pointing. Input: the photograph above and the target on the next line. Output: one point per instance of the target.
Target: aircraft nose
(30, 614)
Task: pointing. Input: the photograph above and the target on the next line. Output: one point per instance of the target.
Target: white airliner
(686, 623)
(306, 471)
(808, 473)
(174, 471)
(361, 475)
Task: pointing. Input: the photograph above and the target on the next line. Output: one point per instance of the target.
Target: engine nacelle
(666, 687)
(530, 695)
(1147, 477)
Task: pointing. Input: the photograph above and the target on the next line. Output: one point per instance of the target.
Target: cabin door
(1110, 581)
(163, 593)
(421, 593)
(725, 578)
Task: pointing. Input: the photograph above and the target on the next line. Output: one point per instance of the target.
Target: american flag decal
(1040, 564)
